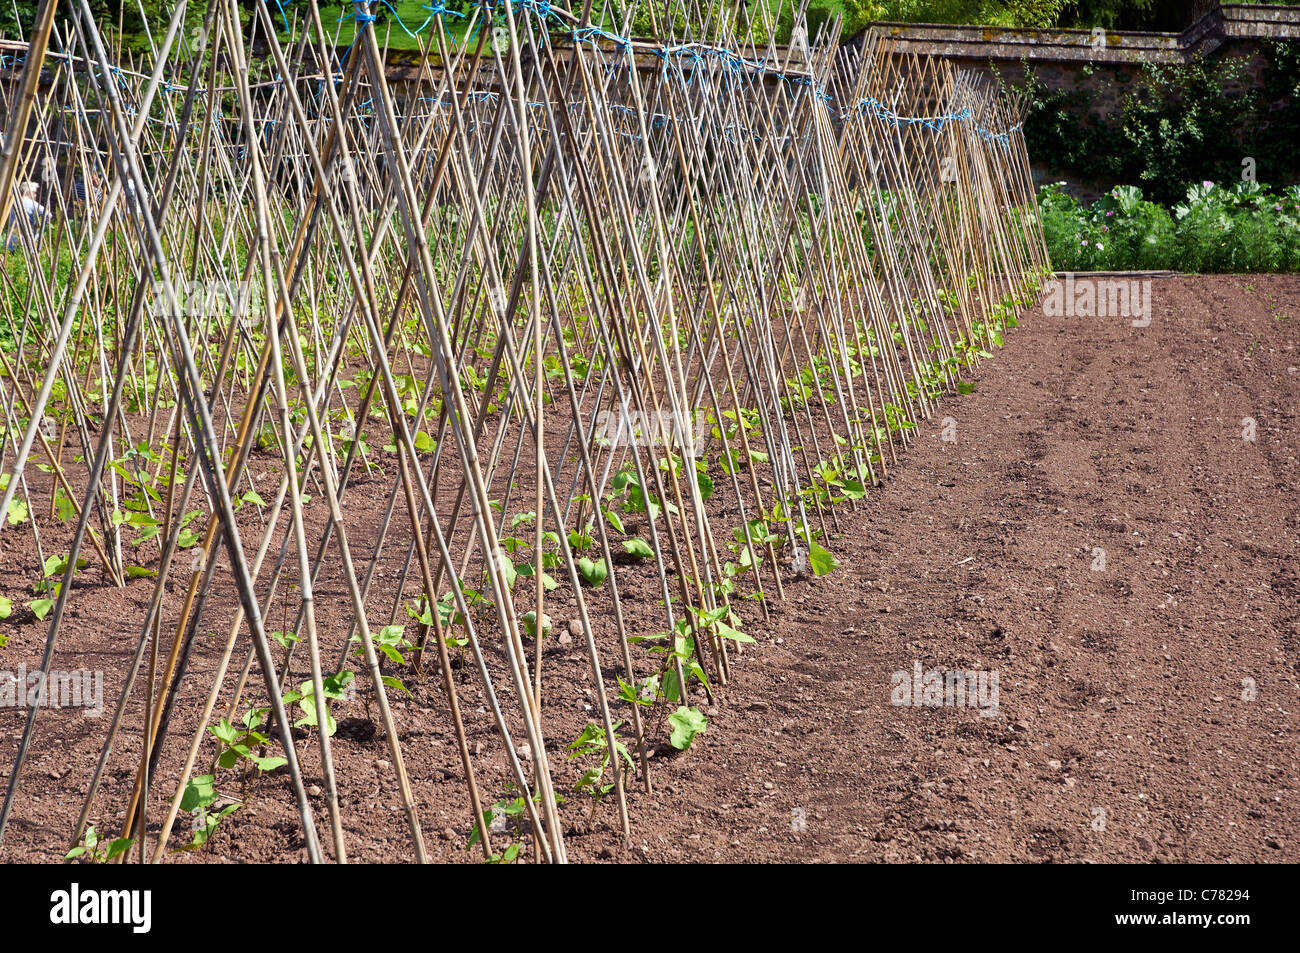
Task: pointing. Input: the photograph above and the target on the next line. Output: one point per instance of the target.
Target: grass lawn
(411, 14)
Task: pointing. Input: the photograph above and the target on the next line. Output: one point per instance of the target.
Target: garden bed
(1121, 690)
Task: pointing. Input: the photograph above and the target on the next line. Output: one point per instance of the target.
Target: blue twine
(589, 35)
(540, 7)
(935, 123)
(284, 17)
(360, 17)
(684, 58)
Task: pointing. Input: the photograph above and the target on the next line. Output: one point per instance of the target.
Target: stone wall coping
(1234, 21)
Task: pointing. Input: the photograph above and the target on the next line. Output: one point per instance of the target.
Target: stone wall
(1099, 64)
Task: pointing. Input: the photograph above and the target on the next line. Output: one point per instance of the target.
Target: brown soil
(1123, 690)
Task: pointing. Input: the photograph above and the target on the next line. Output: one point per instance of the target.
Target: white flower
(1099, 247)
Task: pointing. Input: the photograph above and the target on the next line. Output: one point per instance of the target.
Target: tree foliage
(1178, 123)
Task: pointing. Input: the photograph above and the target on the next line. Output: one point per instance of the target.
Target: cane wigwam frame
(575, 313)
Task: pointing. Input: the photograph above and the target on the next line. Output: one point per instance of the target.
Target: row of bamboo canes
(762, 264)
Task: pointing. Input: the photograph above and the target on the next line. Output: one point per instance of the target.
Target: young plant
(593, 572)
(512, 810)
(51, 582)
(513, 568)
(686, 723)
(238, 746)
(391, 640)
(594, 743)
(93, 848)
(197, 799)
(305, 698)
(449, 618)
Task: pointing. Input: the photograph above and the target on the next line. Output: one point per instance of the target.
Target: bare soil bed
(1147, 710)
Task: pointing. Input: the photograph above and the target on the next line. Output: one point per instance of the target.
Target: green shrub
(1244, 228)
(1177, 123)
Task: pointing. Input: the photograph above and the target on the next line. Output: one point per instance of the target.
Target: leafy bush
(1244, 228)
(1180, 127)
(1178, 123)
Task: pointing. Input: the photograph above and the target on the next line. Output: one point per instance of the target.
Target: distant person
(36, 214)
(90, 195)
(129, 200)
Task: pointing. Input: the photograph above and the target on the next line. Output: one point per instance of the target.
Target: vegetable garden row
(588, 312)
